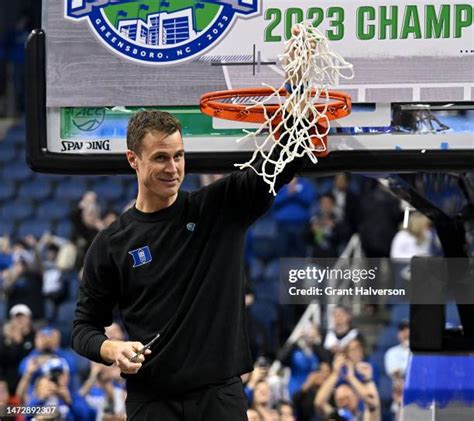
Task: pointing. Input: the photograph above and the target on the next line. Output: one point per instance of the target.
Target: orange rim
(213, 104)
(234, 105)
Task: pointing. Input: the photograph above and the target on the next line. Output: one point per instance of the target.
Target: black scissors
(134, 359)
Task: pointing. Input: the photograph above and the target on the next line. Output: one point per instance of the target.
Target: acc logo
(160, 31)
(88, 119)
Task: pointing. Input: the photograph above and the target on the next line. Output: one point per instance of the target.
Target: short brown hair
(148, 121)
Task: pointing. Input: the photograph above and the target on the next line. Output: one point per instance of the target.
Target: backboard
(96, 62)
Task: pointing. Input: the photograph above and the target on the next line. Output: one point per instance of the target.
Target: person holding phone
(355, 398)
(51, 389)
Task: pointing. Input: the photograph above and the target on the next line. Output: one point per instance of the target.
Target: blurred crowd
(37, 370)
(326, 373)
(328, 377)
(321, 378)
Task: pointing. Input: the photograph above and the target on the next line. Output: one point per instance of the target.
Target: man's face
(341, 182)
(22, 321)
(345, 398)
(286, 413)
(311, 335)
(355, 351)
(159, 164)
(340, 316)
(326, 204)
(47, 340)
(261, 393)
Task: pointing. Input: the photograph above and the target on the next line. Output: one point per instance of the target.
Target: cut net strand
(310, 68)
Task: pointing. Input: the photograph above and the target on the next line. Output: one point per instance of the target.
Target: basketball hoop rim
(210, 104)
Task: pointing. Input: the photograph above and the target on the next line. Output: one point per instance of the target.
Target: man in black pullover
(173, 264)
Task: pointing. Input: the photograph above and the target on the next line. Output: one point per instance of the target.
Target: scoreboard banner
(170, 52)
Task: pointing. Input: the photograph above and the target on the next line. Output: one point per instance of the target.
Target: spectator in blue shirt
(51, 389)
(306, 356)
(47, 342)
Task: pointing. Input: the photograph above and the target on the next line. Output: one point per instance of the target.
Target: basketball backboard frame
(366, 159)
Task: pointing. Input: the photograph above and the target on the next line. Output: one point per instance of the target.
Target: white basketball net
(311, 68)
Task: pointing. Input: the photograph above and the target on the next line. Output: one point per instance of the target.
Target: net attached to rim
(301, 107)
